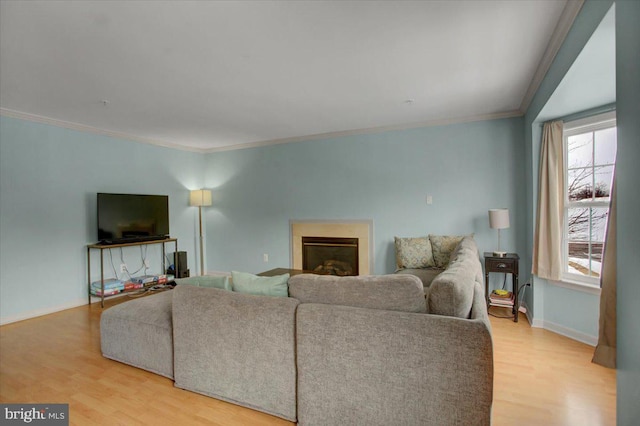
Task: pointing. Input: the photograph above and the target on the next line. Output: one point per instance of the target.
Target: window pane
(578, 261)
(580, 150)
(578, 224)
(598, 223)
(596, 260)
(598, 227)
(580, 184)
(604, 176)
(578, 244)
(605, 146)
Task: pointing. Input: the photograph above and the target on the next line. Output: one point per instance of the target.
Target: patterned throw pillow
(413, 253)
(443, 246)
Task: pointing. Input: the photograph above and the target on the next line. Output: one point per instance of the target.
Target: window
(590, 154)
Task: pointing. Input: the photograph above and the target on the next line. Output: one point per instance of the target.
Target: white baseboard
(562, 330)
(41, 312)
(571, 333)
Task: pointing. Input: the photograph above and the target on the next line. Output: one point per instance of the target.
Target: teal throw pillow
(244, 282)
(215, 281)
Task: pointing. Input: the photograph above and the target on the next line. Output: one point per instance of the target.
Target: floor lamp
(200, 198)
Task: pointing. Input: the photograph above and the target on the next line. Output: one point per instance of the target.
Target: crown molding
(569, 14)
(328, 135)
(89, 129)
(381, 129)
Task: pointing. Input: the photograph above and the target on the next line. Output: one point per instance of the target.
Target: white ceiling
(217, 75)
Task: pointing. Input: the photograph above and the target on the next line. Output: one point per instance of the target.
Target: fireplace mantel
(361, 229)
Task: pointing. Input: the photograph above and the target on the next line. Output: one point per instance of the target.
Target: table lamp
(499, 219)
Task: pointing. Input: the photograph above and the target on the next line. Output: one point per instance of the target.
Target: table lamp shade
(200, 198)
(499, 218)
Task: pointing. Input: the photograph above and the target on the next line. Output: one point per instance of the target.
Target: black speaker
(180, 262)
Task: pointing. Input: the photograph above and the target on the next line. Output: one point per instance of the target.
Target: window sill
(577, 285)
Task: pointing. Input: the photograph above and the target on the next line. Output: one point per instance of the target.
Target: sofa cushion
(371, 367)
(215, 281)
(443, 246)
(452, 292)
(236, 347)
(389, 292)
(413, 253)
(467, 253)
(244, 282)
(426, 275)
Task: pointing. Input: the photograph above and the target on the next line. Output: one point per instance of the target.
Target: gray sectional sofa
(338, 351)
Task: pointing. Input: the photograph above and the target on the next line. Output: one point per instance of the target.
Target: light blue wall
(467, 168)
(628, 177)
(563, 309)
(49, 177)
(628, 238)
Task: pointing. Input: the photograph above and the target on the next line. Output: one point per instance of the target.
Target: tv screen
(124, 218)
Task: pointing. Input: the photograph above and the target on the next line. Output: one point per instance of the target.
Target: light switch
(429, 199)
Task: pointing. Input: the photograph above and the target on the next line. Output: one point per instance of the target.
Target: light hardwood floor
(541, 378)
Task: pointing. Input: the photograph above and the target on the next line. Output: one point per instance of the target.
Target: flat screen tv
(125, 218)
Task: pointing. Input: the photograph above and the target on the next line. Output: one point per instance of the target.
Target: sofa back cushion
(452, 292)
(389, 292)
(236, 347)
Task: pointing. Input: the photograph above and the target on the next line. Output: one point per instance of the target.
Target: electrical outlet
(265, 257)
(123, 267)
(429, 199)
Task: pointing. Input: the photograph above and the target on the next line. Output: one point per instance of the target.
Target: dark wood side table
(508, 265)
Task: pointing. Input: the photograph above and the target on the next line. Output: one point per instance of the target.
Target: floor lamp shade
(200, 198)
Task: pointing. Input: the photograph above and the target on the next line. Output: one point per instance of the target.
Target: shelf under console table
(103, 247)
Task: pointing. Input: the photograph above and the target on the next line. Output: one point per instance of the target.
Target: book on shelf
(507, 300)
(503, 304)
(150, 279)
(107, 292)
(109, 283)
(132, 286)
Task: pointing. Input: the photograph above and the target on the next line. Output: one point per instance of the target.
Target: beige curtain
(605, 353)
(547, 243)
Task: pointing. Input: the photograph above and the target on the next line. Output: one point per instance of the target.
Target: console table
(508, 265)
(103, 247)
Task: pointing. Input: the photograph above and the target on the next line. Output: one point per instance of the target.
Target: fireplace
(334, 242)
(330, 255)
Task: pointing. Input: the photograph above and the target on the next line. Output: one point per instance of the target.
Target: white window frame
(572, 128)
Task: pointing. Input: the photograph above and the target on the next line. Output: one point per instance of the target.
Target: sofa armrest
(365, 366)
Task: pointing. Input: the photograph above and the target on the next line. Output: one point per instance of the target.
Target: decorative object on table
(200, 198)
(499, 219)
